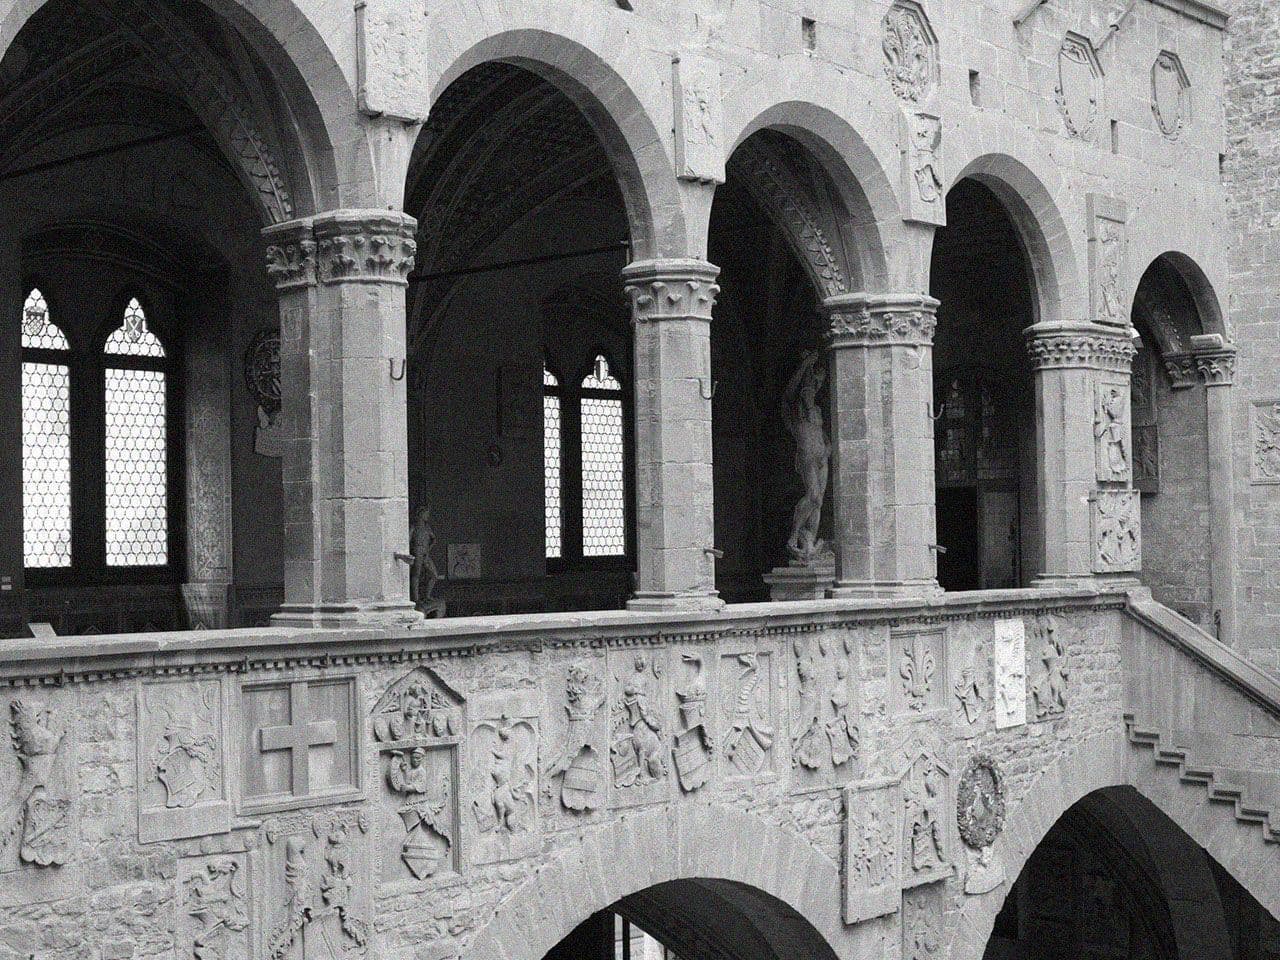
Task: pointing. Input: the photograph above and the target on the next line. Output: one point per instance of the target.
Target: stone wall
(171, 790)
(1253, 199)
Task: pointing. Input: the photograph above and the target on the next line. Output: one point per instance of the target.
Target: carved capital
(868, 320)
(1087, 345)
(1181, 368)
(291, 254)
(671, 289)
(1217, 369)
(365, 246)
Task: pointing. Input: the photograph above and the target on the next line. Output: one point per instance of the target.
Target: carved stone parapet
(365, 246)
(291, 254)
(1079, 345)
(676, 289)
(867, 320)
(1215, 359)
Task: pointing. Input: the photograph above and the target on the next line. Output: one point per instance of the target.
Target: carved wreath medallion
(980, 802)
(262, 369)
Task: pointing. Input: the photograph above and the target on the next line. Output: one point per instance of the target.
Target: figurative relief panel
(213, 908)
(39, 786)
(579, 760)
(922, 933)
(825, 738)
(926, 843)
(699, 119)
(1111, 432)
(1264, 432)
(748, 709)
(639, 747)
(417, 728)
(1049, 689)
(872, 859)
(181, 768)
(502, 756)
(693, 744)
(1010, 663)
(920, 146)
(969, 686)
(918, 676)
(1107, 218)
(313, 888)
(1117, 531)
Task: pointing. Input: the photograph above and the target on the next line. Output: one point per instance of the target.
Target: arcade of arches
(573, 482)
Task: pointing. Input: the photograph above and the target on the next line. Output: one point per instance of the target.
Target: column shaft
(671, 303)
(1090, 517)
(881, 390)
(1216, 365)
(341, 278)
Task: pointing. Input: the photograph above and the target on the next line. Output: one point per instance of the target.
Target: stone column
(1216, 364)
(12, 295)
(671, 303)
(1090, 515)
(341, 278)
(880, 351)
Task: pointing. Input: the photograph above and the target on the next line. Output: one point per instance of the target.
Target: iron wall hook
(702, 388)
(391, 364)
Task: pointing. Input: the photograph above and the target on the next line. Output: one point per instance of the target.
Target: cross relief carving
(298, 737)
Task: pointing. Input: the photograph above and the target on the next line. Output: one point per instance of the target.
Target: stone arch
(616, 106)
(868, 219)
(723, 848)
(1203, 295)
(1100, 762)
(286, 162)
(1029, 199)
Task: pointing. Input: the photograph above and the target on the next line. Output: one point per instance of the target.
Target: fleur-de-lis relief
(916, 670)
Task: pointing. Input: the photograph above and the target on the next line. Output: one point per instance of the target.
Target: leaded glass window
(136, 451)
(551, 463)
(603, 495)
(46, 438)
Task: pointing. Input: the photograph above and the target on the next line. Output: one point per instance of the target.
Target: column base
(800, 583)
(335, 616)
(884, 589)
(676, 603)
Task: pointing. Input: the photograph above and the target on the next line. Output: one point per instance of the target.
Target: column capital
(342, 246)
(291, 254)
(872, 320)
(365, 246)
(1215, 359)
(671, 289)
(1080, 345)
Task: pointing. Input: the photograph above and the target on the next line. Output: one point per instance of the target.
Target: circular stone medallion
(980, 802)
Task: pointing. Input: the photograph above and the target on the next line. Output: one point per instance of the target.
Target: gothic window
(46, 438)
(105, 510)
(136, 475)
(551, 461)
(603, 496)
(585, 466)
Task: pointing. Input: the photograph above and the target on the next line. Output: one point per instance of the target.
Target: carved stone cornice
(1089, 345)
(1216, 368)
(676, 289)
(1181, 368)
(291, 254)
(365, 246)
(874, 320)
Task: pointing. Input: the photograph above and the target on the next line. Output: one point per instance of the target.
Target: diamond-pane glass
(37, 329)
(600, 378)
(137, 522)
(551, 472)
(549, 378)
(134, 337)
(46, 465)
(603, 497)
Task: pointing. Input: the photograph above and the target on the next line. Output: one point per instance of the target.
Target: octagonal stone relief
(1079, 89)
(910, 52)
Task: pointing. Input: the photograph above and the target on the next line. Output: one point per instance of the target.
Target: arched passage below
(748, 878)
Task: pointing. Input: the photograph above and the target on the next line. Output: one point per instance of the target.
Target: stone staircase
(1254, 795)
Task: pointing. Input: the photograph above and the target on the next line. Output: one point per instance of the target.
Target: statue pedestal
(801, 583)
